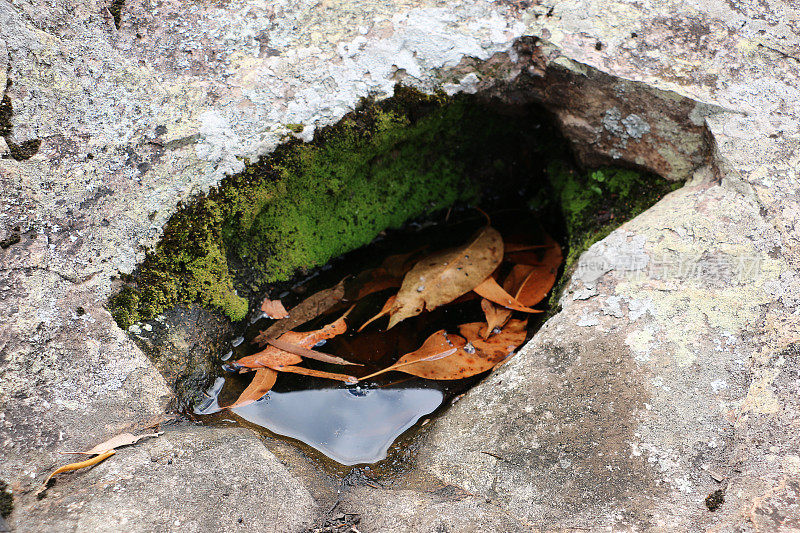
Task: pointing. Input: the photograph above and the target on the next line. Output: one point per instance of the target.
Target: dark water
(356, 424)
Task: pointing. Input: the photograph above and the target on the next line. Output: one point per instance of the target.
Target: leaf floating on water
(269, 357)
(496, 317)
(274, 309)
(542, 277)
(383, 312)
(262, 383)
(499, 346)
(276, 357)
(435, 348)
(493, 292)
(319, 374)
(442, 277)
(315, 305)
(296, 349)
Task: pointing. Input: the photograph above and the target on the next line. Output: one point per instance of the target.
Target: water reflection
(349, 425)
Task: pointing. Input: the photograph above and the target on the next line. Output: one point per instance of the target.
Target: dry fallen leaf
(315, 305)
(537, 284)
(496, 316)
(275, 357)
(383, 312)
(446, 356)
(101, 452)
(493, 292)
(262, 382)
(82, 464)
(306, 352)
(442, 277)
(274, 309)
(319, 373)
(123, 439)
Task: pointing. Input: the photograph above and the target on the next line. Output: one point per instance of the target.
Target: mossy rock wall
(382, 165)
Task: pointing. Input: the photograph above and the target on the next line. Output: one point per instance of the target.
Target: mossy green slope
(379, 167)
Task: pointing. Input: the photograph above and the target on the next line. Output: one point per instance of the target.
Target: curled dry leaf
(307, 353)
(262, 383)
(383, 312)
(101, 452)
(542, 277)
(442, 277)
(447, 356)
(82, 464)
(319, 373)
(274, 309)
(436, 347)
(496, 316)
(275, 357)
(493, 292)
(123, 439)
(315, 305)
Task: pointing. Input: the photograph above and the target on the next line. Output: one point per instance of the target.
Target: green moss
(6, 500)
(297, 128)
(380, 166)
(594, 203)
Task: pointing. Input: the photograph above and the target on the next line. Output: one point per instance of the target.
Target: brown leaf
(82, 464)
(511, 247)
(306, 352)
(275, 357)
(490, 290)
(383, 312)
(436, 347)
(274, 309)
(442, 277)
(542, 277)
(436, 359)
(319, 373)
(123, 439)
(312, 307)
(498, 347)
(496, 316)
(516, 277)
(262, 382)
(269, 357)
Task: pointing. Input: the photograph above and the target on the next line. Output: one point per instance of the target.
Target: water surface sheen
(349, 425)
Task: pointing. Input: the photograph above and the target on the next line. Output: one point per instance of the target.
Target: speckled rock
(648, 391)
(180, 481)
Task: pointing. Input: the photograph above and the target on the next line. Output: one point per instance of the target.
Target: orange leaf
(447, 356)
(319, 373)
(440, 278)
(516, 277)
(312, 307)
(383, 312)
(262, 382)
(269, 357)
(83, 464)
(274, 309)
(437, 346)
(495, 316)
(542, 277)
(307, 352)
(490, 290)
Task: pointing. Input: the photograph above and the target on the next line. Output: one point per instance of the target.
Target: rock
(188, 479)
(692, 380)
(443, 508)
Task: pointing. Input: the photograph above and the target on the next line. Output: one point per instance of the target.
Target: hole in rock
(385, 190)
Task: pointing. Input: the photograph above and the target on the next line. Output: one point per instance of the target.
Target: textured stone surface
(677, 380)
(183, 480)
